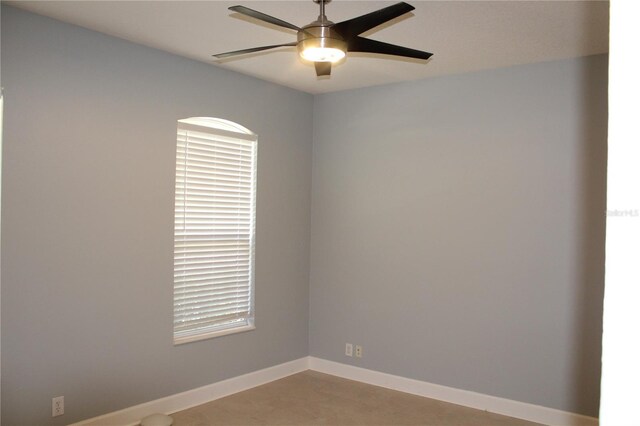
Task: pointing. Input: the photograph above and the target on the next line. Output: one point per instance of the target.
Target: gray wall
(87, 221)
(458, 230)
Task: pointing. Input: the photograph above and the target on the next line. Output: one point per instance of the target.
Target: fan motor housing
(320, 34)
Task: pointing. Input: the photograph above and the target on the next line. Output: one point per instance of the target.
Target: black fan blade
(323, 68)
(251, 50)
(361, 44)
(356, 26)
(263, 17)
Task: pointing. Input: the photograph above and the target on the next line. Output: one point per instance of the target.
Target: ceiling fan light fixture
(322, 49)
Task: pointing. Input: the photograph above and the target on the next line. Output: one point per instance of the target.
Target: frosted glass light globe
(322, 54)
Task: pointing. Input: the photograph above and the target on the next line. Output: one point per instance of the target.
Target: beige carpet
(311, 398)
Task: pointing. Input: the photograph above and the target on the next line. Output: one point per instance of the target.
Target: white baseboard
(507, 407)
(182, 401)
(131, 416)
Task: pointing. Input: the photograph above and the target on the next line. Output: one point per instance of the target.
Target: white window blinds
(214, 229)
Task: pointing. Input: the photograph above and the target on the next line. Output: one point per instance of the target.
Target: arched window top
(217, 123)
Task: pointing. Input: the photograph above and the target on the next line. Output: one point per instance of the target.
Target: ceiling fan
(324, 42)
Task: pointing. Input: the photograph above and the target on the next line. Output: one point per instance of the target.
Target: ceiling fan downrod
(322, 16)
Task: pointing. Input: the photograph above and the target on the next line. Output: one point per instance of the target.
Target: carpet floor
(312, 398)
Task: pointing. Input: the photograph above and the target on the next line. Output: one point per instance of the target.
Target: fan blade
(263, 17)
(356, 26)
(361, 44)
(251, 50)
(323, 68)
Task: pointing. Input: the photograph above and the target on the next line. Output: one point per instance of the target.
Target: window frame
(225, 129)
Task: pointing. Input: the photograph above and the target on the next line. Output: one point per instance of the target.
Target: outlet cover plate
(358, 351)
(57, 406)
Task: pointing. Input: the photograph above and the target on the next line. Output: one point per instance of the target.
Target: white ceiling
(463, 35)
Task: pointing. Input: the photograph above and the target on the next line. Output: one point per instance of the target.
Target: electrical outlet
(358, 351)
(348, 349)
(57, 406)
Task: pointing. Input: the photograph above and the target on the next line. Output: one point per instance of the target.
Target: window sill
(218, 333)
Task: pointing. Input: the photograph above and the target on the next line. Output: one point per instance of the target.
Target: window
(214, 232)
